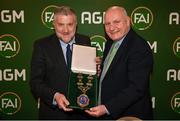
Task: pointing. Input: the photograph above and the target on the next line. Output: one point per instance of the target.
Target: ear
(128, 20)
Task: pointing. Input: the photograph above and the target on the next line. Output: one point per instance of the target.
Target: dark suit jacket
(125, 88)
(49, 74)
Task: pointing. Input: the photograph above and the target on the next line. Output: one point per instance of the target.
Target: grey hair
(64, 10)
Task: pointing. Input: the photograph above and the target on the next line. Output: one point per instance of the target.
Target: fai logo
(47, 16)
(10, 103)
(141, 18)
(98, 42)
(9, 46)
(175, 102)
(176, 47)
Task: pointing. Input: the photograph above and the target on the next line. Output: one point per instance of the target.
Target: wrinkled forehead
(114, 14)
(65, 14)
(65, 17)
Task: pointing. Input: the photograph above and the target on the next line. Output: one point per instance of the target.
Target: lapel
(58, 53)
(120, 52)
(107, 48)
(78, 39)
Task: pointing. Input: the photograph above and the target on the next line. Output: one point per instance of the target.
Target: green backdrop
(24, 21)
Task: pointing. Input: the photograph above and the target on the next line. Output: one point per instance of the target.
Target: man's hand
(98, 63)
(62, 102)
(97, 111)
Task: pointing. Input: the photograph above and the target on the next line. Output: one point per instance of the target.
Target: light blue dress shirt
(64, 45)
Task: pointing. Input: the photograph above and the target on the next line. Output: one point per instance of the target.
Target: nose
(111, 27)
(65, 29)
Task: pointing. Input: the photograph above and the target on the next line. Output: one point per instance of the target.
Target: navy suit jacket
(49, 74)
(125, 87)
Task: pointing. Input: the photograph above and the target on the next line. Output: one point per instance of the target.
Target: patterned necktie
(68, 56)
(107, 63)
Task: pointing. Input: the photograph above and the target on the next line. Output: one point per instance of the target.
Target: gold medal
(83, 100)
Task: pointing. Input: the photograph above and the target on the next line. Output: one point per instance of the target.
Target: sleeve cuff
(107, 112)
(54, 100)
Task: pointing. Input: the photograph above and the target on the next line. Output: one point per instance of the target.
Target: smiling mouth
(65, 33)
(114, 32)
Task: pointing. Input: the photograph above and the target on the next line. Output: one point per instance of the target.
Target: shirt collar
(63, 44)
(119, 42)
